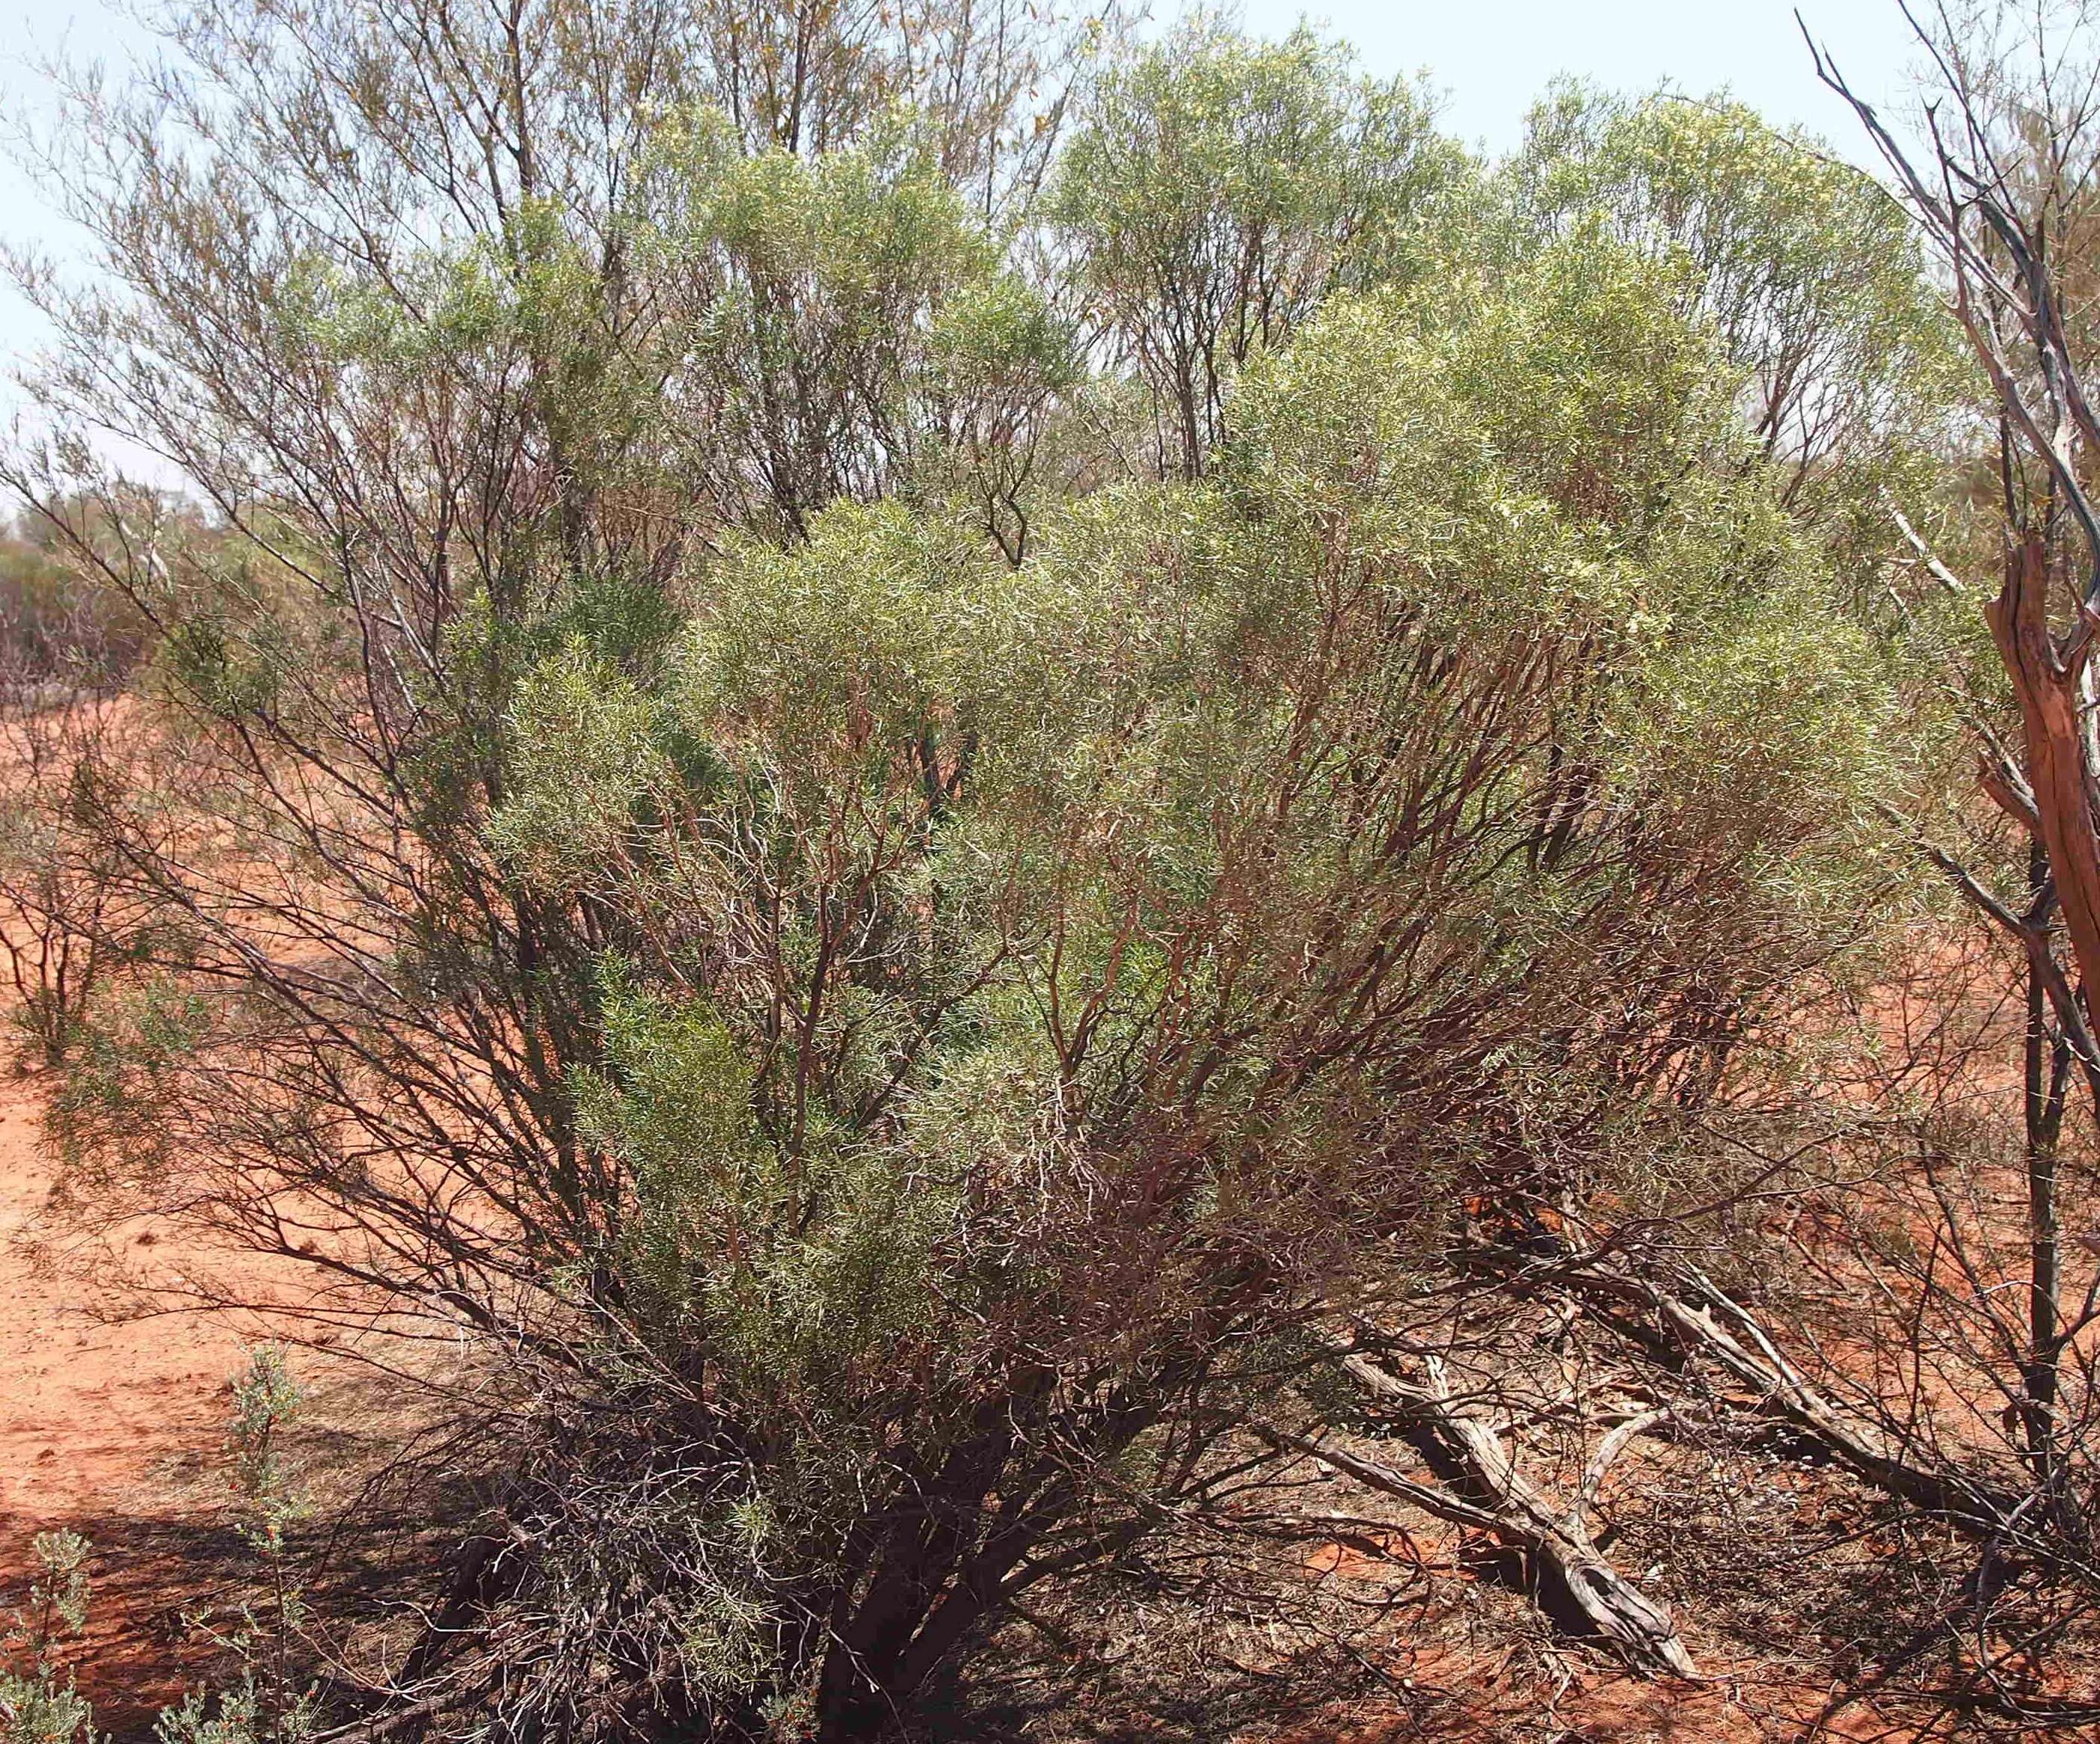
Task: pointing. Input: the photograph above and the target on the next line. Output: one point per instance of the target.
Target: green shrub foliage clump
(881, 812)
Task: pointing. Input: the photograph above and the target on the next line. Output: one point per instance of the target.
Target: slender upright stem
(2047, 1073)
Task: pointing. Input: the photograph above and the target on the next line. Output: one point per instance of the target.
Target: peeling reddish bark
(2056, 768)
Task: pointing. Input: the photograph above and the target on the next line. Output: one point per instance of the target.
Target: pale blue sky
(1491, 59)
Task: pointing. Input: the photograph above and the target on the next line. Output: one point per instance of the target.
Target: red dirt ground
(113, 1428)
(88, 1410)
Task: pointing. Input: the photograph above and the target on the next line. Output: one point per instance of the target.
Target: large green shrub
(883, 948)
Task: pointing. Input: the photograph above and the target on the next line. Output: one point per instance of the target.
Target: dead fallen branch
(1744, 1350)
(1489, 1494)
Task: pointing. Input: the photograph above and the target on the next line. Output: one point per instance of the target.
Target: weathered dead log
(1499, 1500)
(1556, 1541)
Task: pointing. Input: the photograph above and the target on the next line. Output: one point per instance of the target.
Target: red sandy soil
(1598, 1703)
(112, 1427)
(88, 1409)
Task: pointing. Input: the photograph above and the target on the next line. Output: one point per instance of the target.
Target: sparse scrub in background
(68, 922)
(75, 639)
(64, 632)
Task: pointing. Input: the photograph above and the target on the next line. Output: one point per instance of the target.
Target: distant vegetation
(984, 786)
(61, 626)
